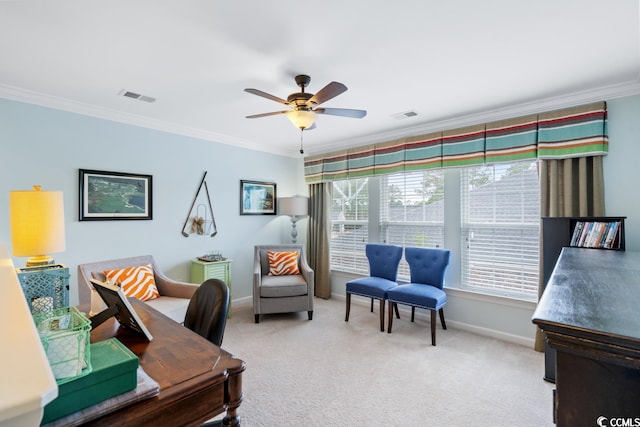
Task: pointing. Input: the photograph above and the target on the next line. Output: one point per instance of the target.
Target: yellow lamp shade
(37, 223)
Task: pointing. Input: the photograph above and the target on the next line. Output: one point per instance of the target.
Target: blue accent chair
(383, 269)
(427, 268)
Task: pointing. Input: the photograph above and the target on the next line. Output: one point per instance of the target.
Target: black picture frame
(118, 306)
(106, 196)
(257, 197)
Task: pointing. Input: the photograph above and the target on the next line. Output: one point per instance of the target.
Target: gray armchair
(281, 294)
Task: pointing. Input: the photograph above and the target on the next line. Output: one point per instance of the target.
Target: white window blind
(500, 229)
(350, 225)
(412, 211)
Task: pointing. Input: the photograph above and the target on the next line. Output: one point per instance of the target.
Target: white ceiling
(454, 62)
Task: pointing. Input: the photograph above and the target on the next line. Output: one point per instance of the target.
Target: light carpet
(328, 372)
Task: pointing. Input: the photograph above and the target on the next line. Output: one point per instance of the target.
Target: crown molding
(63, 104)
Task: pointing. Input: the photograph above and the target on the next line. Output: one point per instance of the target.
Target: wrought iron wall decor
(199, 223)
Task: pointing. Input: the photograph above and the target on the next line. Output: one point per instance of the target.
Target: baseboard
(241, 303)
(491, 333)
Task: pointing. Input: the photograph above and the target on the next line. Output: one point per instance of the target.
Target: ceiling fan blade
(257, 116)
(331, 90)
(343, 112)
(266, 95)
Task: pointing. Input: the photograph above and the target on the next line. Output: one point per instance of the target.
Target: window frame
(453, 231)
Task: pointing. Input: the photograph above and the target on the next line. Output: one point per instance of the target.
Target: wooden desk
(197, 379)
(589, 314)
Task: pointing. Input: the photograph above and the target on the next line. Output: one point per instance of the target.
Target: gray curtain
(318, 238)
(569, 187)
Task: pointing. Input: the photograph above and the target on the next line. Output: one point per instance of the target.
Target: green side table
(203, 270)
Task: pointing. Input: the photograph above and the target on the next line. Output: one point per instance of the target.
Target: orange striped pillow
(283, 263)
(137, 281)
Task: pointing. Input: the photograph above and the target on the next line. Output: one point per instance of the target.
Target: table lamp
(37, 229)
(37, 224)
(295, 207)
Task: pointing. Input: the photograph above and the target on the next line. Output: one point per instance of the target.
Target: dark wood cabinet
(556, 234)
(589, 316)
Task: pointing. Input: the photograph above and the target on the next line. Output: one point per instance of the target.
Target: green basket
(64, 334)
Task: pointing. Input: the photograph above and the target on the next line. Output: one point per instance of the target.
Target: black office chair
(207, 316)
(208, 309)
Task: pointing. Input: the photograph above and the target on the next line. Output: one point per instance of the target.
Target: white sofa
(174, 296)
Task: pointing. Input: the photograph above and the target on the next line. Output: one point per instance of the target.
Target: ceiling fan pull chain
(301, 149)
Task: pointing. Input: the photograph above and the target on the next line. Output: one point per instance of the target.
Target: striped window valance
(571, 132)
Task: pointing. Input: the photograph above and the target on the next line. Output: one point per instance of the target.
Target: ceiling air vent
(137, 96)
(404, 115)
(132, 95)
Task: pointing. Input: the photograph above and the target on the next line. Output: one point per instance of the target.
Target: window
(492, 223)
(350, 225)
(500, 225)
(412, 211)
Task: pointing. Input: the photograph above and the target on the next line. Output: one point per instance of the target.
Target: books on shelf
(596, 234)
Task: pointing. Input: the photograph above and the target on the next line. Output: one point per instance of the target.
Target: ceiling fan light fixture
(302, 119)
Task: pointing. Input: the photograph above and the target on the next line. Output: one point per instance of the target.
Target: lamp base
(294, 230)
(39, 260)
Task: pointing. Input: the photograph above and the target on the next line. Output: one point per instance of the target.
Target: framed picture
(117, 305)
(114, 196)
(257, 198)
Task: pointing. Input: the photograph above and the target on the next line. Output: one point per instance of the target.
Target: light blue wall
(47, 147)
(622, 166)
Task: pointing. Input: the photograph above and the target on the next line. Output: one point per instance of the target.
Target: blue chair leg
(348, 307)
(382, 305)
(390, 323)
(393, 305)
(433, 324)
(433, 327)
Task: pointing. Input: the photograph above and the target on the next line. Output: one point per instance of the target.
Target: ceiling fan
(303, 106)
